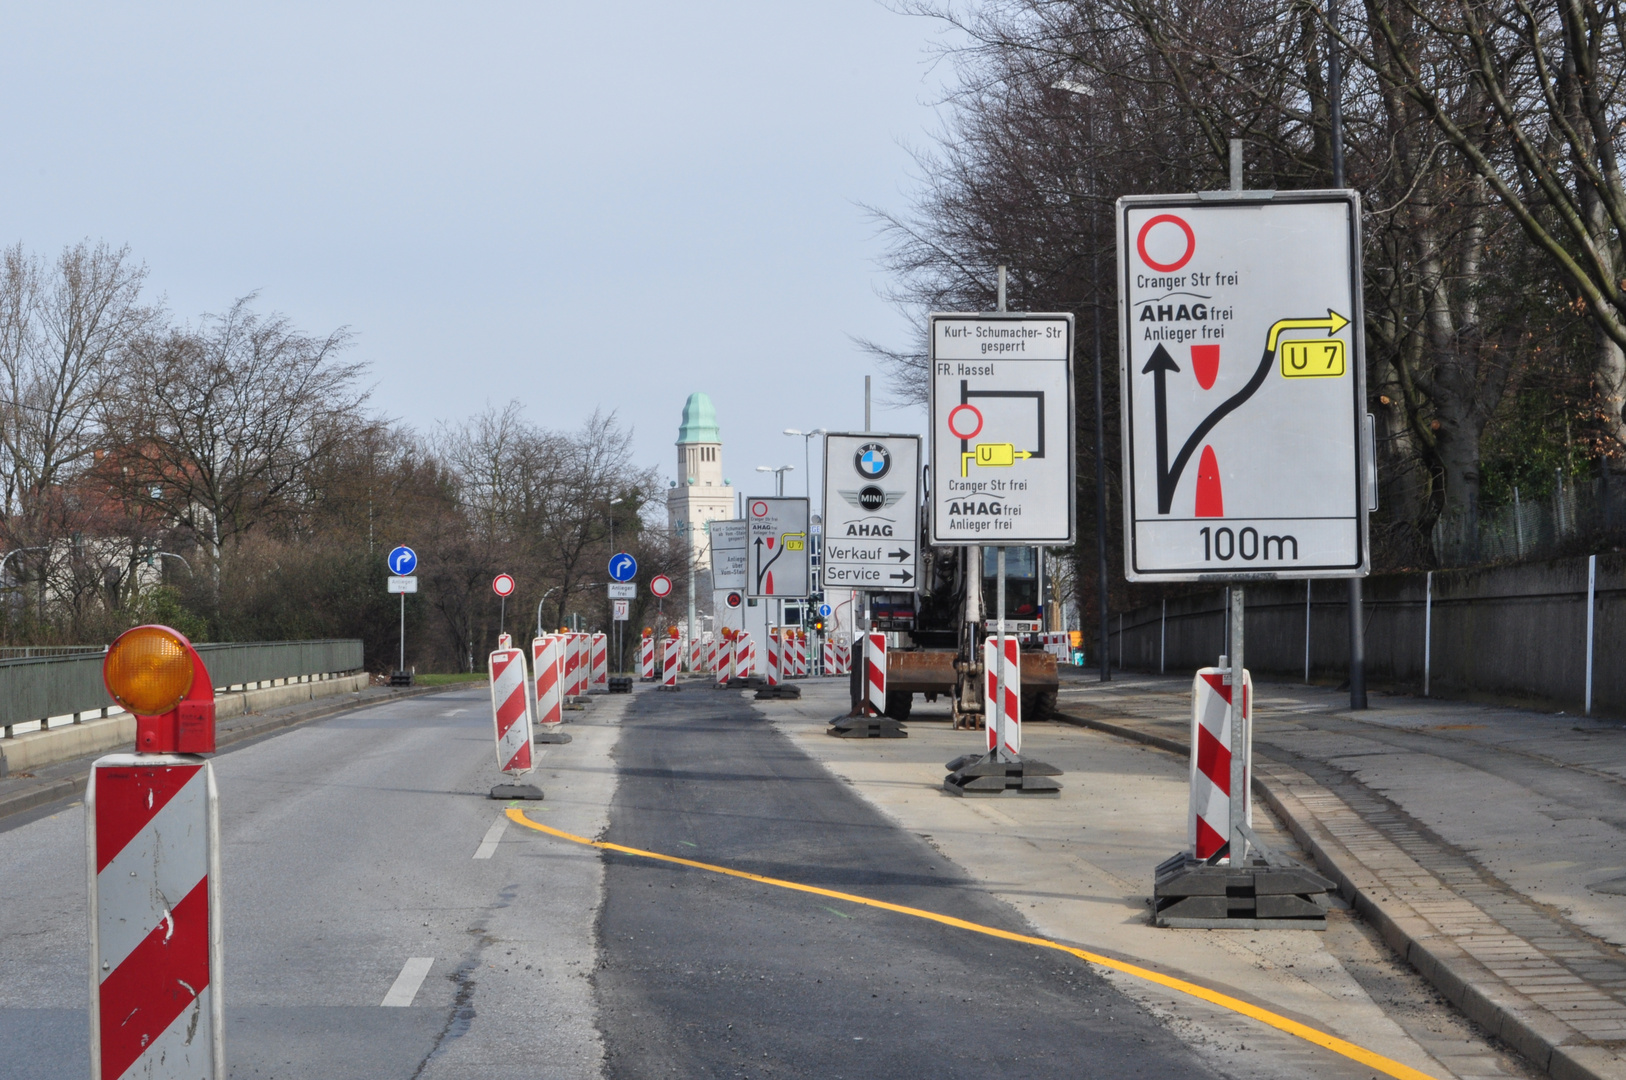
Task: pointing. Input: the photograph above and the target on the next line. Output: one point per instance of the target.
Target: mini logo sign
(872, 498)
(872, 461)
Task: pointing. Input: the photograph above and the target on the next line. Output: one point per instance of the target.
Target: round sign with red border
(733, 599)
(502, 584)
(965, 416)
(660, 585)
(1185, 257)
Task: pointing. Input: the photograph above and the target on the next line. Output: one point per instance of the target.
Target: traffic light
(818, 624)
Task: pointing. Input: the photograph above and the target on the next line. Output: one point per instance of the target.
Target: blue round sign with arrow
(824, 610)
(402, 561)
(623, 567)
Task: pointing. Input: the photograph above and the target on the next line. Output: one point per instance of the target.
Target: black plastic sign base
(783, 690)
(516, 791)
(984, 775)
(866, 727)
(557, 738)
(1262, 895)
(620, 684)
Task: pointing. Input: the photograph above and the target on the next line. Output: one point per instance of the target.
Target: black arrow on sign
(899, 555)
(903, 576)
(1168, 476)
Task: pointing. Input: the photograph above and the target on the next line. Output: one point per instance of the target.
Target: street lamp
(779, 476)
(807, 466)
(1082, 90)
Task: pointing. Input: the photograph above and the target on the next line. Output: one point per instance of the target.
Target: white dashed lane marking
(407, 983)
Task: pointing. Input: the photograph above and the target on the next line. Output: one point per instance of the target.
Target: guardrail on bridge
(39, 687)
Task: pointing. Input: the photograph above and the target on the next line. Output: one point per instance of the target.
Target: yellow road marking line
(1366, 1057)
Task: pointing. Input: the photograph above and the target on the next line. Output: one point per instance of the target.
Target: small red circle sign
(502, 584)
(967, 417)
(759, 509)
(1166, 219)
(660, 585)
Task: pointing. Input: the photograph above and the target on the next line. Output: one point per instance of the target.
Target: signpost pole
(402, 665)
(1239, 739)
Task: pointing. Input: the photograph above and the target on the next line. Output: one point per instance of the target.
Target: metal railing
(39, 687)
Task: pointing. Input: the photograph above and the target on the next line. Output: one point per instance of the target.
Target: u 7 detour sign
(1246, 439)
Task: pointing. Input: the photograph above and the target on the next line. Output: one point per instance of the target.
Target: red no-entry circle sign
(965, 421)
(660, 585)
(502, 584)
(1168, 267)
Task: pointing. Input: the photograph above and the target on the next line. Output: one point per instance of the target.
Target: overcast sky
(579, 206)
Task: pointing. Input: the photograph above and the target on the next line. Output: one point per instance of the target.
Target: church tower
(701, 494)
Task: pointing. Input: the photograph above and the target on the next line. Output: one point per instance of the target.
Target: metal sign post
(1247, 450)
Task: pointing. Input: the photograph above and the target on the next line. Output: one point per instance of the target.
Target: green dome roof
(699, 421)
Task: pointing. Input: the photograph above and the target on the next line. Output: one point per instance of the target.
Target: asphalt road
(706, 976)
(350, 847)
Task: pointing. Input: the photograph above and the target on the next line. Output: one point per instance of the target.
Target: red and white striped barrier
(724, 664)
(1012, 705)
(584, 662)
(697, 655)
(711, 655)
(646, 657)
(511, 709)
(155, 940)
(776, 652)
(829, 656)
(745, 656)
(875, 673)
(545, 670)
(672, 653)
(1210, 825)
(601, 661)
(799, 669)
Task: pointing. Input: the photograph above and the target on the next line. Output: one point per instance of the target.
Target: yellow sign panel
(1312, 358)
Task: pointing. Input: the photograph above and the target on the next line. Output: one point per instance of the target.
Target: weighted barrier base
(780, 691)
(674, 688)
(620, 684)
(866, 727)
(400, 678)
(516, 791)
(1277, 895)
(983, 775)
(542, 735)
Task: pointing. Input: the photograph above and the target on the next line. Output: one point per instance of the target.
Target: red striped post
(1013, 693)
(601, 661)
(775, 653)
(545, 667)
(152, 826)
(646, 656)
(671, 653)
(875, 677)
(511, 710)
(1210, 824)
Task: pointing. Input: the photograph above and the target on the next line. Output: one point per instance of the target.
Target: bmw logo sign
(872, 461)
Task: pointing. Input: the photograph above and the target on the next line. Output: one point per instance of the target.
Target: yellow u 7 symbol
(1313, 358)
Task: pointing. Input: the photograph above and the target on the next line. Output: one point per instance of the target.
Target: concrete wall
(1516, 632)
(34, 749)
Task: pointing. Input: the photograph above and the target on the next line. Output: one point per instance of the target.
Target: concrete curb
(74, 784)
(1543, 1039)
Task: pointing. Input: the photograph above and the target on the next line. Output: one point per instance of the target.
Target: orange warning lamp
(155, 673)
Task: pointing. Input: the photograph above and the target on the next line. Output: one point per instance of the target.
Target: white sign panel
(623, 590)
(404, 583)
(1002, 429)
(871, 512)
(1243, 380)
(621, 607)
(728, 554)
(776, 558)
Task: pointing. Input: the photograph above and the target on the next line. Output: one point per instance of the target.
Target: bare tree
(221, 425)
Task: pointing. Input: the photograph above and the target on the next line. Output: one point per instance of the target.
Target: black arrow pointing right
(899, 555)
(903, 576)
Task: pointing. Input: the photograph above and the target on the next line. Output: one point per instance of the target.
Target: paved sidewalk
(1080, 868)
(1487, 844)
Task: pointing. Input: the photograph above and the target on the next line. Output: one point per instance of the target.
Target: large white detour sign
(1244, 418)
(1002, 429)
